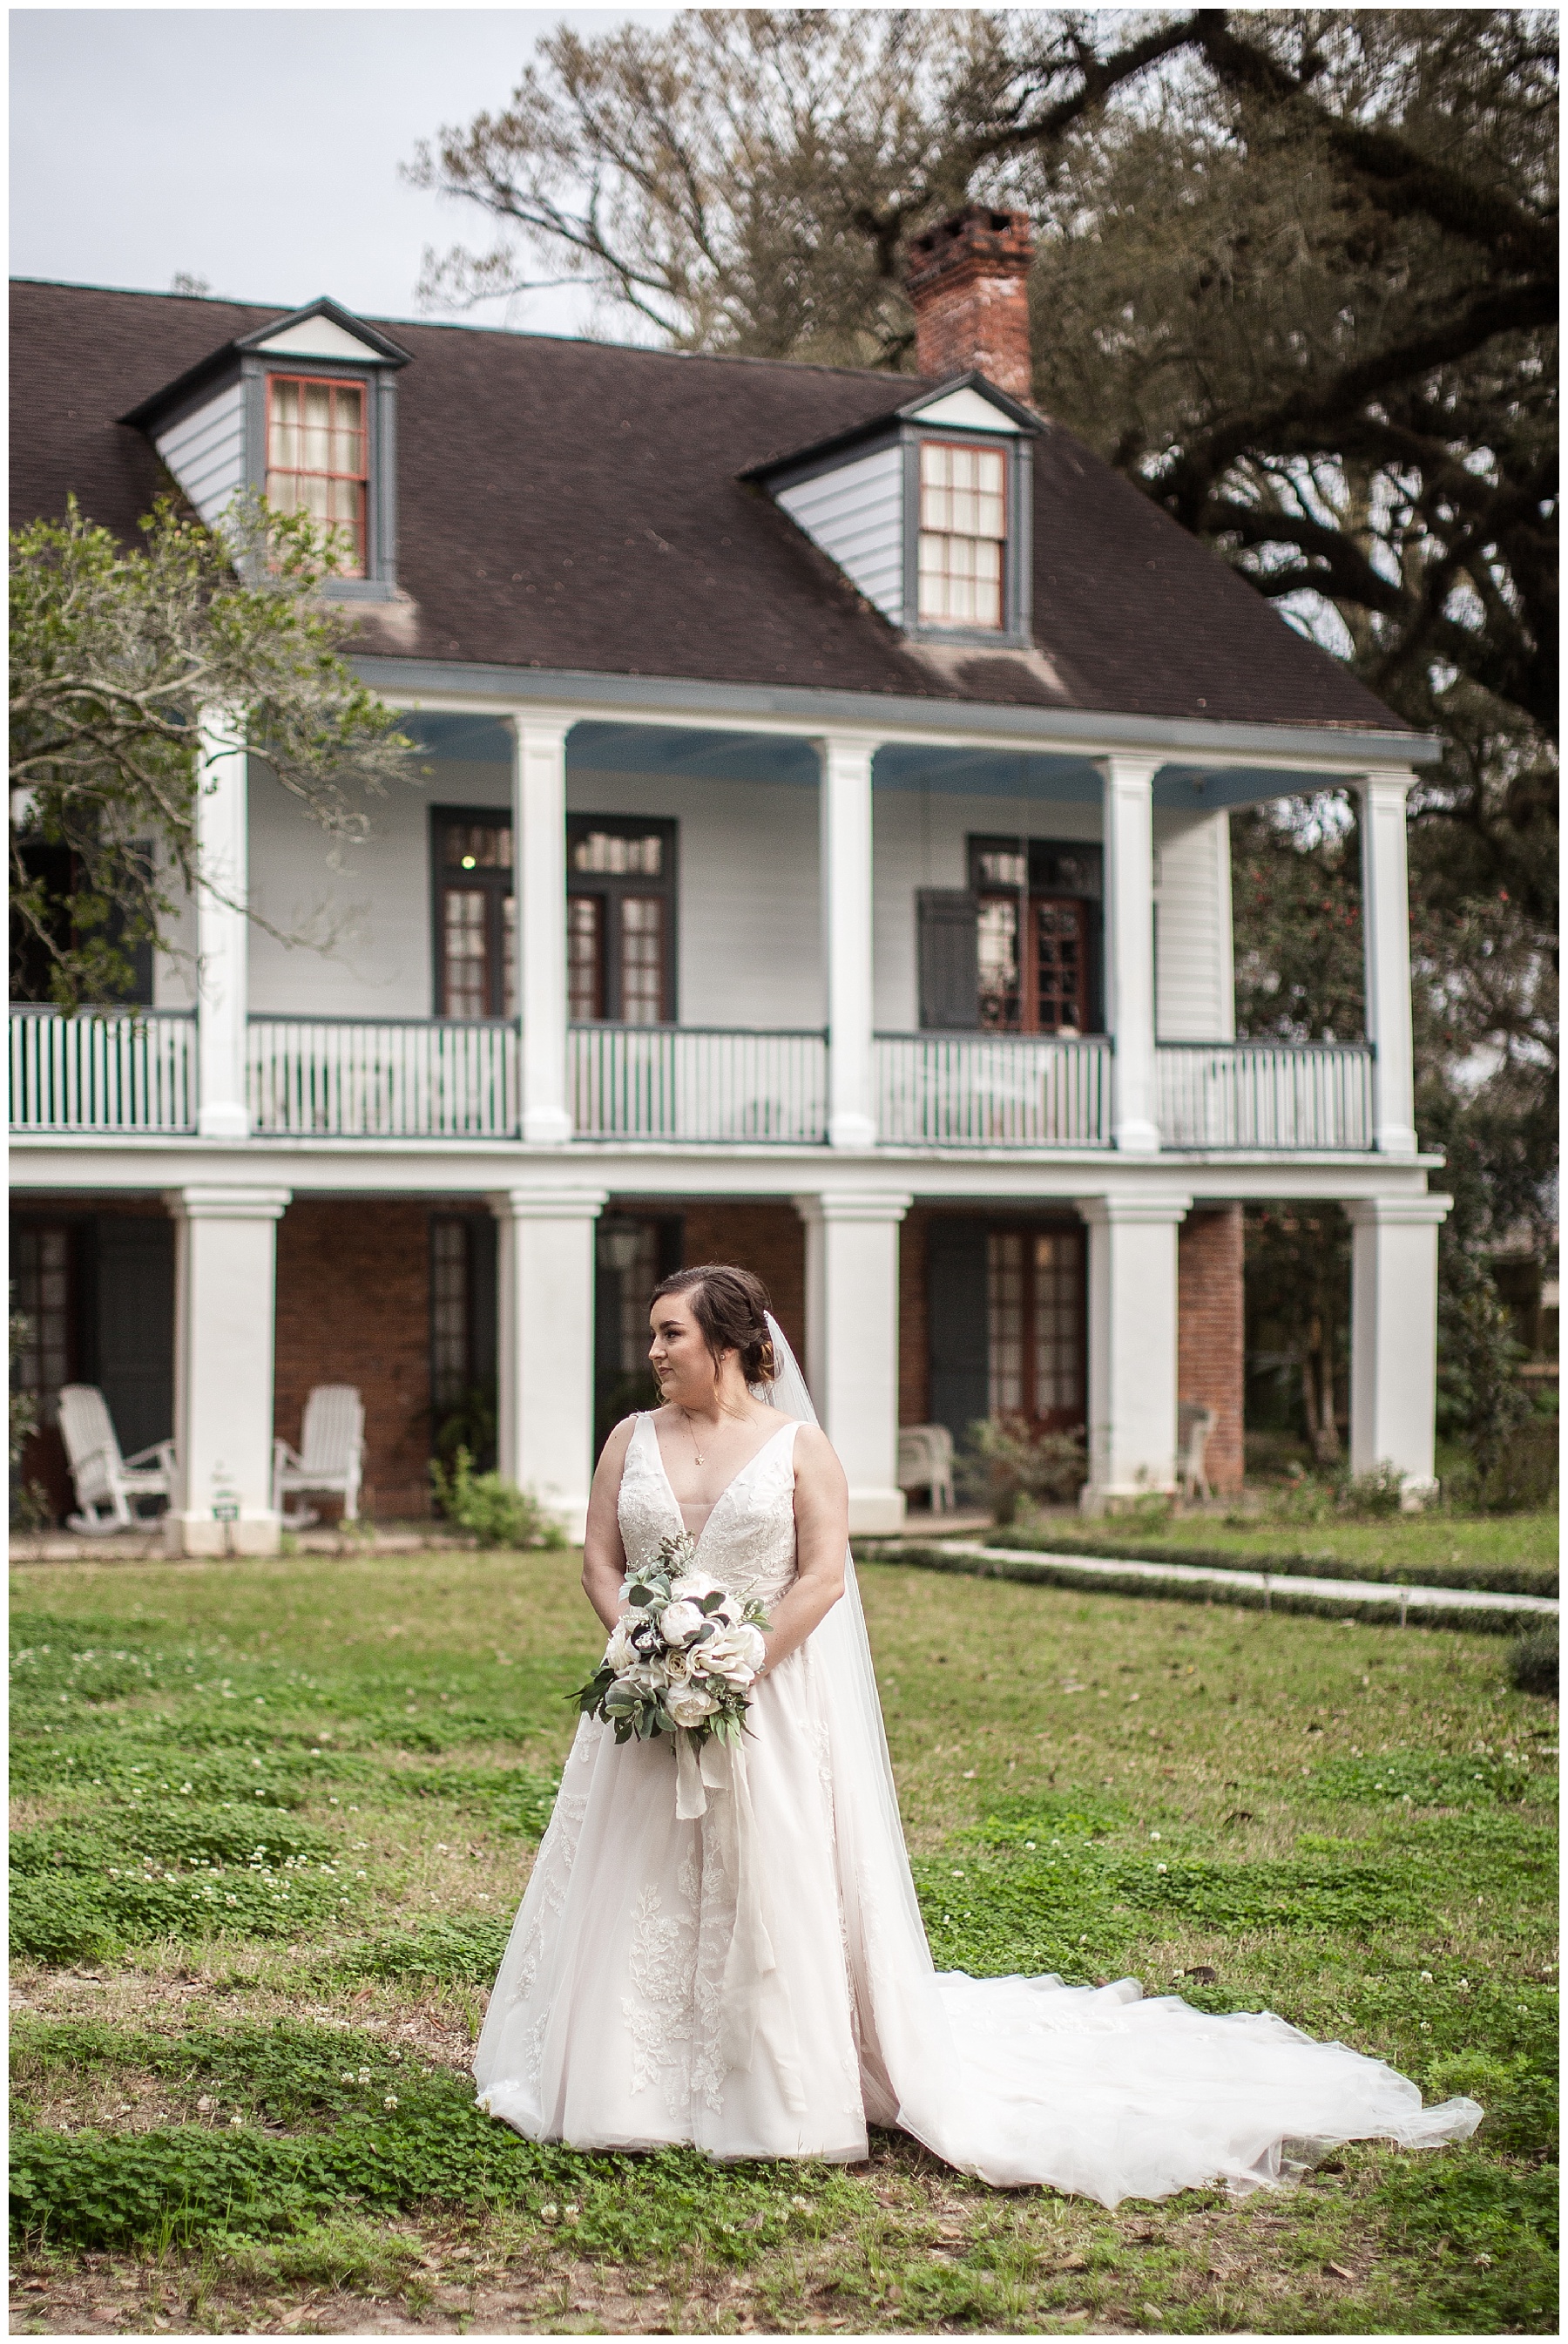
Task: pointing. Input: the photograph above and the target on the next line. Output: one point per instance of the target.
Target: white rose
(688, 1704)
(734, 1653)
(679, 1623)
(693, 1584)
(620, 1651)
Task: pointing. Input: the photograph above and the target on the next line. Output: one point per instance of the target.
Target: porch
(108, 1072)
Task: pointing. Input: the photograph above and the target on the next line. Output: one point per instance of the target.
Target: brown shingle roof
(576, 505)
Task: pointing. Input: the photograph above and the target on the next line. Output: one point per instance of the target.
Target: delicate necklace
(692, 1431)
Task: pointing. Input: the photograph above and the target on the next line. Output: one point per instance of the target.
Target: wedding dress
(755, 1979)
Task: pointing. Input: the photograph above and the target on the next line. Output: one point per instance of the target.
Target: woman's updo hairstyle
(730, 1307)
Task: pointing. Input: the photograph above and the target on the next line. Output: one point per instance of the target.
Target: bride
(746, 1969)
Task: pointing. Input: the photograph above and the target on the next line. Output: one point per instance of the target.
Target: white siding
(205, 452)
(746, 907)
(317, 338)
(1195, 994)
(968, 408)
(856, 514)
(749, 916)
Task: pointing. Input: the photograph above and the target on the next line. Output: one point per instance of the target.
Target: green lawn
(1449, 1549)
(272, 1821)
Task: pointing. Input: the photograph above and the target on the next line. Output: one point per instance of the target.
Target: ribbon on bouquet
(729, 1841)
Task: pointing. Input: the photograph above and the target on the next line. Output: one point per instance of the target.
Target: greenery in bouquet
(683, 1656)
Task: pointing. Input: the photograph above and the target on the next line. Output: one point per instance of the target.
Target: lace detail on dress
(659, 2010)
(748, 1539)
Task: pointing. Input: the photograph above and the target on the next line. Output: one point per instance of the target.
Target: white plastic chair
(926, 1462)
(105, 1479)
(329, 1458)
(1194, 1424)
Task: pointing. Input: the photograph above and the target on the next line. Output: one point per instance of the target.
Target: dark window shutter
(134, 1345)
(948, 931)
(958, 1320)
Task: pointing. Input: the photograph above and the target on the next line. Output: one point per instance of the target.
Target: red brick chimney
(968, 282)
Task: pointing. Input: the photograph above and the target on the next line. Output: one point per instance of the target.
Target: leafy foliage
(131, 673)
(1533, 1663)
(1008, 1459)
(495, 1509)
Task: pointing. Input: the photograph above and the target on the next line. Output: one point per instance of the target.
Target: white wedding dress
(755, 1979)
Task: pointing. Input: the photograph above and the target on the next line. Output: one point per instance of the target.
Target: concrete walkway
(1205, 1579)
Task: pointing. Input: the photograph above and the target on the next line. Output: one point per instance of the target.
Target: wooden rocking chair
(109, 1487)
(330, 1457)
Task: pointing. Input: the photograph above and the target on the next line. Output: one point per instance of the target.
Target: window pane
(641, 960)
(1004, 1281)
(449, 1312)
(41, 1267)
(317, 459)
(1001, 866)
(637, 1285)
(463, 925)
(585, 956)
(998, 929)
(1059, 967)
(477, 845)
(1057, 1331)
(617, 857)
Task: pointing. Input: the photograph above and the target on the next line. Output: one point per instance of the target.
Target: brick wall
(768, 1239)
(914, 1348)
(354, 1308)
(1210, 1332)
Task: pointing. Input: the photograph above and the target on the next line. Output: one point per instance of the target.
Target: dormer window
(963, 535)
(318, 459)
(927, 511)
(302, 413)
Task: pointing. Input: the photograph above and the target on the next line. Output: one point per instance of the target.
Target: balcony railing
(698, 1083)
(382, 1078)
(1006, 1091)
(102, 1070)
(1303, 1097)
(134, 1070)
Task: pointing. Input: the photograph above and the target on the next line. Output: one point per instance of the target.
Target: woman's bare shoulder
(612, 1456)
(814, 1454)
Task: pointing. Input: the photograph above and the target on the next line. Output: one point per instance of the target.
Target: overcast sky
(258, 148)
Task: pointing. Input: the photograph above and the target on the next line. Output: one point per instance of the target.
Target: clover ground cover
(232, 2116)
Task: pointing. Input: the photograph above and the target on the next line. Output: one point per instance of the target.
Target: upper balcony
(737, 940)
(134, 1070)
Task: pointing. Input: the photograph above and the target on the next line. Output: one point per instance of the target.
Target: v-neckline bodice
(697, 1537)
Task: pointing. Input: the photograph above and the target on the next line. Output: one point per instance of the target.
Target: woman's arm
(821, 1537)
(603, 1557)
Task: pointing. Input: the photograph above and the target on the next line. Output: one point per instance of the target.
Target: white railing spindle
(1007, 1090)
(1304, 1098)
(691, 1083)
(383, 1078)
(108, 1070)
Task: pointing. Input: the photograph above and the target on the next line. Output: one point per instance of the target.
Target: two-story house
(823, 862)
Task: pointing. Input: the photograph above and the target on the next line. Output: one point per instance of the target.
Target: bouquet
(682, 1659)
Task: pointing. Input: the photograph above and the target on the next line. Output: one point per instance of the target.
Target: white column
(539, 879)
(846, 874)
(1385, 929)
(544, 1383)
(852, 1343)
(226, 1247)
(1131, 1345)
(222, 931)
(1129, 824)
(1394, 1336)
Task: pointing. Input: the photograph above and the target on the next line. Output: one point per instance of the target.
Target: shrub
(496, 1511)
(1532, 1662)
(1007, 1459)
(1523, 1477)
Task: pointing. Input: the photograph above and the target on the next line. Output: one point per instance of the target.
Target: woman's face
(678, 1353)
